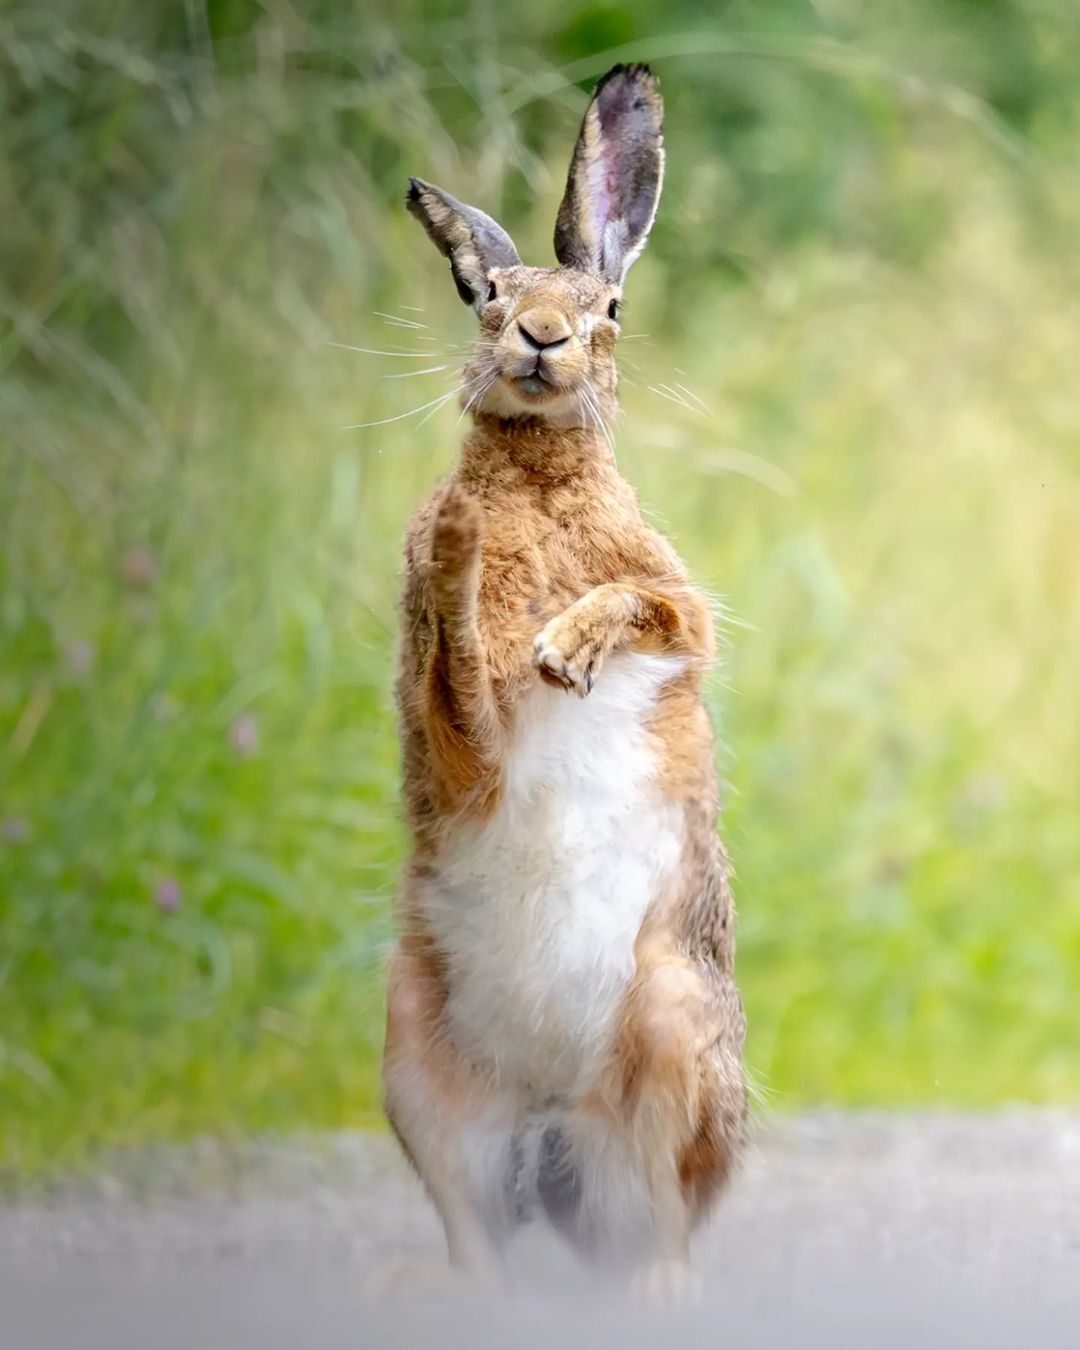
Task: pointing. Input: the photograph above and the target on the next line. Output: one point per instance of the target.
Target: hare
(564, 1034)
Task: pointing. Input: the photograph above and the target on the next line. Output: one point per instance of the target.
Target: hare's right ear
(615, 176)
(474, 243)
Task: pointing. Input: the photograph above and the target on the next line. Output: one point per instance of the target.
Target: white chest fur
(537, 909)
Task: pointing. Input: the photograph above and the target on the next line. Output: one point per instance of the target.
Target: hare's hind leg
(657, 1141)
(454, 1127)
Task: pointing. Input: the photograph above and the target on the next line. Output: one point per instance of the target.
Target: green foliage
(851, 396)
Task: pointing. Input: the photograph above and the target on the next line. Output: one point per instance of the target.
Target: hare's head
(547, 335)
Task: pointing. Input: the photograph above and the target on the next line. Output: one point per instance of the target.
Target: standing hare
(564, 1034)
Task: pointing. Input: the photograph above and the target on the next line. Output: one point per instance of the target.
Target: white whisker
(461, 388)
(592, 402)
(374, 351)
(677, 398)
(410, 327)
(585, 408)
(699, 402)
(600, 425)
(484, 383)
(408, 374)
(665, 391)
(690, 394)
(439, 403)
(398, 321)
(434, 404)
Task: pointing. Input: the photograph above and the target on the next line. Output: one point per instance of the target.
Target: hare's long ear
(473, 242)
(615, 176)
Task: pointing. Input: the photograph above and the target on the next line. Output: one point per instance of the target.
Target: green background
(850, 394)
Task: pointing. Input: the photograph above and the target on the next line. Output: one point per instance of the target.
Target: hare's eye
(613, 310)
(493, 292)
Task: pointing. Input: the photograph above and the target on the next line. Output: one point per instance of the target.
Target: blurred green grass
(850, 395)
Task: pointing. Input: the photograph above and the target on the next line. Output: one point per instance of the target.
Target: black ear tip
(637, 73)
(416, 186)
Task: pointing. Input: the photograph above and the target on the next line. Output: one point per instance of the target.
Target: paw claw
(555, 669)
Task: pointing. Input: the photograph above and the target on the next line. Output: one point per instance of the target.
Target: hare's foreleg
(462, 718)
(454, 1127)
(570, 650)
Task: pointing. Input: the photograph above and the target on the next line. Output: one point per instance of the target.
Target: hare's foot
(429, 1277)
(406, 1276)
(667, 1284)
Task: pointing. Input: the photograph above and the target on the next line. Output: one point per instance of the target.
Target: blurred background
(851, 395)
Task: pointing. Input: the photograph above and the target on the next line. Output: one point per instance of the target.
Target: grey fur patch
(519, 1183)
(557, 1181)
(541, 1174)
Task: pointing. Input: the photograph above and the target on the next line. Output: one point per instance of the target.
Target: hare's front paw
(455, 539)
(565, 656)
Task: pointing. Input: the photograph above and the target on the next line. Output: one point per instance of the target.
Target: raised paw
(572, 670)
(455, 538)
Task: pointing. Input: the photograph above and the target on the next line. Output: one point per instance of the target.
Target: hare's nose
(543, 328)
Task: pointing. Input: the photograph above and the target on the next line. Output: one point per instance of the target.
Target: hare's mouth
(534, 385)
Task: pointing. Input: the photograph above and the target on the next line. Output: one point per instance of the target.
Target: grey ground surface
(876, 1230)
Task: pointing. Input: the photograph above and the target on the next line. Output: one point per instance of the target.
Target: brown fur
(533, 561)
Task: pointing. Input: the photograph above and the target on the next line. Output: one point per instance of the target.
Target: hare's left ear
(472, 241)
(615, 176)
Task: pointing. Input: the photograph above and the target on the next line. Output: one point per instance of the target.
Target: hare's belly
(537, 909)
